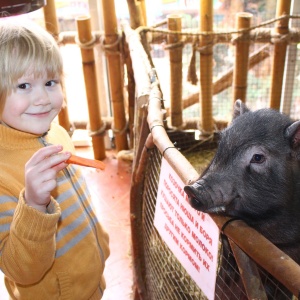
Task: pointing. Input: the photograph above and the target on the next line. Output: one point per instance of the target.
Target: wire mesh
(258, 80)
(166, 279)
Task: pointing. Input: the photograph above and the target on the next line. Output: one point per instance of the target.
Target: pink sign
(191, 235)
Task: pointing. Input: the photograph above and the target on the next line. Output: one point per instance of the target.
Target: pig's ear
(239, 108)
(293, 134)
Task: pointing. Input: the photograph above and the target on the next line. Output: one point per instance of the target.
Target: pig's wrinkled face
(251, 174)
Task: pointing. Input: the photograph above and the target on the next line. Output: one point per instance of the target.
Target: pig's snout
(197, 197)
(201, 199)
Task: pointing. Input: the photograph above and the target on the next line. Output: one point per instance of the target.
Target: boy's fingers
(42, 153)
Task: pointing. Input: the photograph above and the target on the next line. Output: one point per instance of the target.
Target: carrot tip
(86, 162)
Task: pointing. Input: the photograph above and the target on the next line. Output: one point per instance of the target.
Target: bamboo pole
(257, 35)
(243, 21)
(112, 46)
(206, 65)
(137, 19)
(290, 74)
(175, 56)
(51, 25)
(143, 11)
(136, 14)
(131, 93)
(50, 18)
(282, 27)
(97, 126)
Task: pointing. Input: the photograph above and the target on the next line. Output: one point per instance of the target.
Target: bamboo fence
(202, 41)
(152, 134)
(148, 114)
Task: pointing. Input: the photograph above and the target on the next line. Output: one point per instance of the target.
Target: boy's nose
(41, 97)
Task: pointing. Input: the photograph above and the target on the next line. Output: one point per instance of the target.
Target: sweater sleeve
(30, 247)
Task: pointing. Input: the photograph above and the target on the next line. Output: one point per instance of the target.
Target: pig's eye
(258, 159)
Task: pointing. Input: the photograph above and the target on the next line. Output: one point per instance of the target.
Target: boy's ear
(239, 108)
(292, 133)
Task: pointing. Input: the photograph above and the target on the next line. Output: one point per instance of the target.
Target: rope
(215, 33)
(227, 222)
(119, 131)
(156, 125)
(110, 48)
(100, 131)
(174, 45)
(88, 45)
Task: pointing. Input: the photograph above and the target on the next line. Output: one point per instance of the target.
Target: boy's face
(33, 104)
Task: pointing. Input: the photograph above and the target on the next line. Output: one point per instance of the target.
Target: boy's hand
(40, 175)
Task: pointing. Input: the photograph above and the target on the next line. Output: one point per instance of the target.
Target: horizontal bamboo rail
(259, 36)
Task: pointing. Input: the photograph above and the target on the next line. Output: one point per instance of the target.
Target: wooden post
(291, 58)
(51, 25)
(282, 27)
(175, 55)
(89, 70)
(206, 65)
(240, 73)
(143, 11)
(136, 14)
(115, 73)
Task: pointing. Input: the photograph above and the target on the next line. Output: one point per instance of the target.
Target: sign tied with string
(191, 235)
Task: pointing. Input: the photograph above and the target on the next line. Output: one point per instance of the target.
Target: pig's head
(255, 172)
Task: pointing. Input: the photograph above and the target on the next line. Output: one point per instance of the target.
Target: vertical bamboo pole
(243, 21)
(89, 70)
(175, 54)
(50, 17)
(131, 92)
(136, 14)
(206, 65)
(51, 25)
(143, 11)
(290, 68)
(115, 74)
(282, 27)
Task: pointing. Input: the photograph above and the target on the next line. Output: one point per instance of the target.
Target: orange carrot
(77, 160)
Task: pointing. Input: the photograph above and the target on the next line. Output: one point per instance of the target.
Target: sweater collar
(11, 138)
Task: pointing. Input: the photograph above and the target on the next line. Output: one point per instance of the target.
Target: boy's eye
(24, 86)
(51, 82)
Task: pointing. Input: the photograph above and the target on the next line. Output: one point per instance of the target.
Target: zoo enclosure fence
(158, 274)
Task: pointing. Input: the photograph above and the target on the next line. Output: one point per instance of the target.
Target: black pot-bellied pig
(255, 176)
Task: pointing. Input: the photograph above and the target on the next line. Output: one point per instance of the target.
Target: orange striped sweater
(59, 255)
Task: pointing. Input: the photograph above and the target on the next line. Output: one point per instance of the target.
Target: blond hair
(23, 48)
